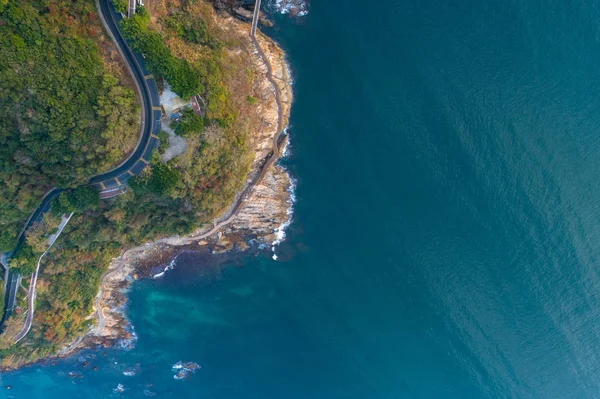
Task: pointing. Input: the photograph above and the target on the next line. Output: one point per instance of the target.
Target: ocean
(444, 242)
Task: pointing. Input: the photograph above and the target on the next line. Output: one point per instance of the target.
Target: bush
(162, 180)
(193, 30)
(25, 261)
(163, 138)
(183, 78)
(189, 125)
(77, 200)
(121, 5)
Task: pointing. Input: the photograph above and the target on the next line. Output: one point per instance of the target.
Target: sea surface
(446, 234)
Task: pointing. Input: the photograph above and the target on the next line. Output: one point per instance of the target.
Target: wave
(295, 8)
(286, 150)
(170, 266)
(280, 232)
(128, 342)
(119, 389)
(184, 369)
(130, 371)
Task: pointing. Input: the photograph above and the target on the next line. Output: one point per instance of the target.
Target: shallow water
(445, 237)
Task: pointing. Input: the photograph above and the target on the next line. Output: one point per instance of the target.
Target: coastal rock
(266, 209)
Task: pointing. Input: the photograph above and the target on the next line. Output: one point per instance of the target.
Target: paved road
(113, 180)
(138, 160)
(10, 295)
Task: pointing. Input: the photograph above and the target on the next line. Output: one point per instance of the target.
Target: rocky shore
(255, 219)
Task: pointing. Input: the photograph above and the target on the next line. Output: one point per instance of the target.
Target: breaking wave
(184, 369)
(170, 266)
(280, 231)
(295, 8)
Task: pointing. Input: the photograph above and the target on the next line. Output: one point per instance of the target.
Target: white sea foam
(184, 369)
(128, 343)
(170, 266)
(285, 152)
(177, 366)
(280, 231)
(297, 8)
(120, 388)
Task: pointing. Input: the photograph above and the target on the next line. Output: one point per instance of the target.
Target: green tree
(163, 138)
(160, 180)
(77, 200)
(189, 125)
(8, 240)
(121, 5)
(181, 75)
(25, 261)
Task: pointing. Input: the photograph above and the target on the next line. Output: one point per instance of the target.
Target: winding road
(146, 85)
(110, 182)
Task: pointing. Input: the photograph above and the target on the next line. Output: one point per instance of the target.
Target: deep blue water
(445, 241)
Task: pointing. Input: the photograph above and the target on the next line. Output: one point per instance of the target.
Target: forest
(65, 116)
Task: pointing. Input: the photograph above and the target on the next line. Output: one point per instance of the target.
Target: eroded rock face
(266, 210)
(228, 5)
(240, 9)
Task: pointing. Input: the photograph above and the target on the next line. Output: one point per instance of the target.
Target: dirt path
(34, 276)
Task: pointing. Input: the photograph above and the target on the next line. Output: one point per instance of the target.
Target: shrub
(121, 5)
(189, 125)
(181, 75)
(163, 138)
(77, 200)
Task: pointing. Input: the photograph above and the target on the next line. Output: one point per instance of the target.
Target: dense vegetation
(193, 29)
(203, 75)
(173, 197)
(181, 75)
(189, 124)
(64, 116)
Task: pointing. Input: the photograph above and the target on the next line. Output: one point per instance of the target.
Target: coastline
(255, 220)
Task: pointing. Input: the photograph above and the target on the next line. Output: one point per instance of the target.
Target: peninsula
(130, 131)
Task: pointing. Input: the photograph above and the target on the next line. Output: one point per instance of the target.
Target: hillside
(187, 46)
(69, 111)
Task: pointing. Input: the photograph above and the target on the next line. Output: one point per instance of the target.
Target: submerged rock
(119, 389)
(184, 369)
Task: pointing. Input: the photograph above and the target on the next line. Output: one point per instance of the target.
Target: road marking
(130, 173)
(103, 186)
(157, 109)
(144, 161)
(154, 136)
(148, 77)
(118, 181)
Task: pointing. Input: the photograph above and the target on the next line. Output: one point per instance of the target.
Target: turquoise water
(445, 237)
